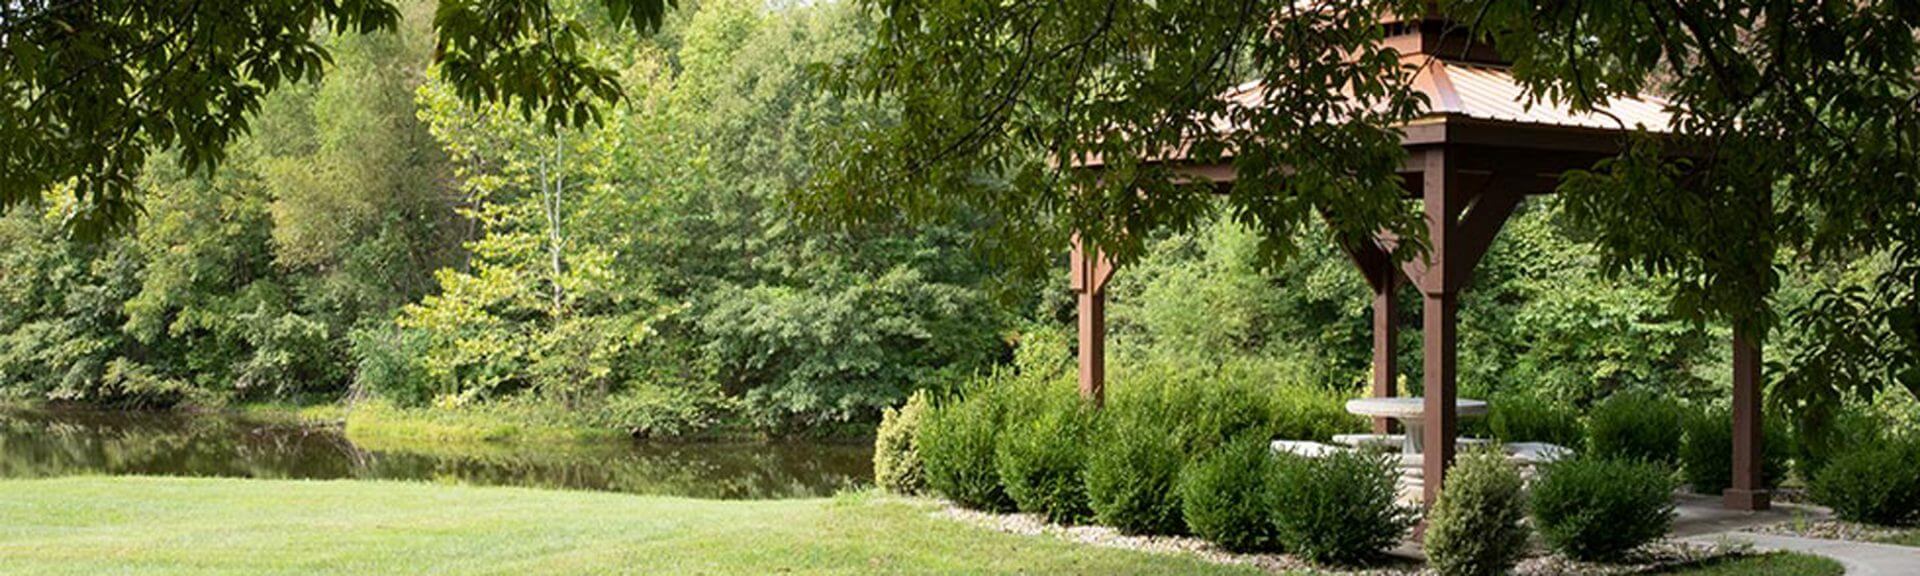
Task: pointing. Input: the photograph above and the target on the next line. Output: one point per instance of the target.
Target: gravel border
(1829, 529)
(1658, 556)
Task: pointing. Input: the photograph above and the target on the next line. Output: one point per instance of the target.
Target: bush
(388, 363)
(1594, 508)
(1876, 484)
(1519, 417)
(1214, 413)
(1636, 426)
(896, 451)
(1041, 458)
(957, 451)
(1224, 498)
(649, 410)
(1475, 527)
(1706, 453)
(1307, 413)
(1133, 475)
(1340, 508)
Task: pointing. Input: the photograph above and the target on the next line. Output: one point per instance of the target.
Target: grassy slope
(153, 525)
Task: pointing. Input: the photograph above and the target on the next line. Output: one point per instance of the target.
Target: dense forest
(378, 237)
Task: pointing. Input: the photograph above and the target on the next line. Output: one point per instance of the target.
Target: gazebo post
(1385, 311)
(1749, 491)
(1090, 273)
(1439, 311)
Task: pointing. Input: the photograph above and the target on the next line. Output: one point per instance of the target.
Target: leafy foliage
(1133, 469)
(1477, 526)
(1042, 456)
(897, 465)
(1706, 453)
(1874, 484)
(1596, 508)
(1340, 508)
(957, 445)
(1637, 426)
(1223, 496)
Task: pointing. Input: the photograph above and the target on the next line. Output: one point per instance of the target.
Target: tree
(90, 89)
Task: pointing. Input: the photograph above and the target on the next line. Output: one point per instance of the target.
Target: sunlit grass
(98, 525)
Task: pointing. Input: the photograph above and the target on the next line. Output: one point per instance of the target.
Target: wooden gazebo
(1472, 158)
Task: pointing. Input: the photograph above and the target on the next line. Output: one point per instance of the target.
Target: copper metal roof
(1489, 92)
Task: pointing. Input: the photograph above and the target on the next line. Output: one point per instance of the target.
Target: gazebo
(1472, 157)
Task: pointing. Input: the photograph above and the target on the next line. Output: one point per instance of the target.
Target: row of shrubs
(1177, 457)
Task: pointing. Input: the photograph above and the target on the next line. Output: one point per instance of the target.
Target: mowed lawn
(134, 525)
(99, 525)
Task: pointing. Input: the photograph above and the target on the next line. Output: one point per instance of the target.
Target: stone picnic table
(1411, 412)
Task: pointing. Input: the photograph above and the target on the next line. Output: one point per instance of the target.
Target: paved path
(1860, 558)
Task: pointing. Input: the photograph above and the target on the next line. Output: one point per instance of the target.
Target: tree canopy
(89, 89)
(1803, 114)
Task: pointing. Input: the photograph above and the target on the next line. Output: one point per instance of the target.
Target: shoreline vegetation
(378, 424)
(138, 525)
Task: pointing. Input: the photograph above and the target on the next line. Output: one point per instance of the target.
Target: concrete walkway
(1701, 519)
(1860, 558)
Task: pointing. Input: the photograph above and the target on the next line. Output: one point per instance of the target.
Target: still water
(40, 443)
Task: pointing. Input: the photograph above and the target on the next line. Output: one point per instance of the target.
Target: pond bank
(314, 444)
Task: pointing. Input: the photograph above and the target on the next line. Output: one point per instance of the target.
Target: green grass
(95, 525)
(327, 413)
(378, 424)
(1776, 564)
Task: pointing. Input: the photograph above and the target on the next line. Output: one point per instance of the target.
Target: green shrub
(1214, 413)
(1706, 452)
(1307, 413)
(389, 363)
(1520, 417)
(1638, 426)
(957, 450)
(1133, 472)
(1594, 508)
(1340, 508)
(896, 450)
(1475, 527)
(1041, 457)
(1874, 484)
(1224, 498)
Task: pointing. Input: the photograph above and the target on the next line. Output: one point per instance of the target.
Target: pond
(41, 443)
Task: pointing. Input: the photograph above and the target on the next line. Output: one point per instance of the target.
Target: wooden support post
(1093, 347)
(1091, 270)
(1386, 366)
(1439, 312)
(1749, 491)
(1439, 316)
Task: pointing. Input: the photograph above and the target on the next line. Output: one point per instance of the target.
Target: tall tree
(89, 89)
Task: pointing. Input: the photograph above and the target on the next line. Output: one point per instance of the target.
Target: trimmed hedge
(1521, 417)
(957, 448)
(1476, 527)
(897, 466)
(1134, 475)
(1874, 484)
(1041, 458)
(1594, 508)
(1340, 508)
(1636, 426)
(1706, 453)
(1224, 497)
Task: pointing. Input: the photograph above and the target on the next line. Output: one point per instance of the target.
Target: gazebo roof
(1488, 93)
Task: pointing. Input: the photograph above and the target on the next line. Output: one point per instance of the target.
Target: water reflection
(36, 443)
